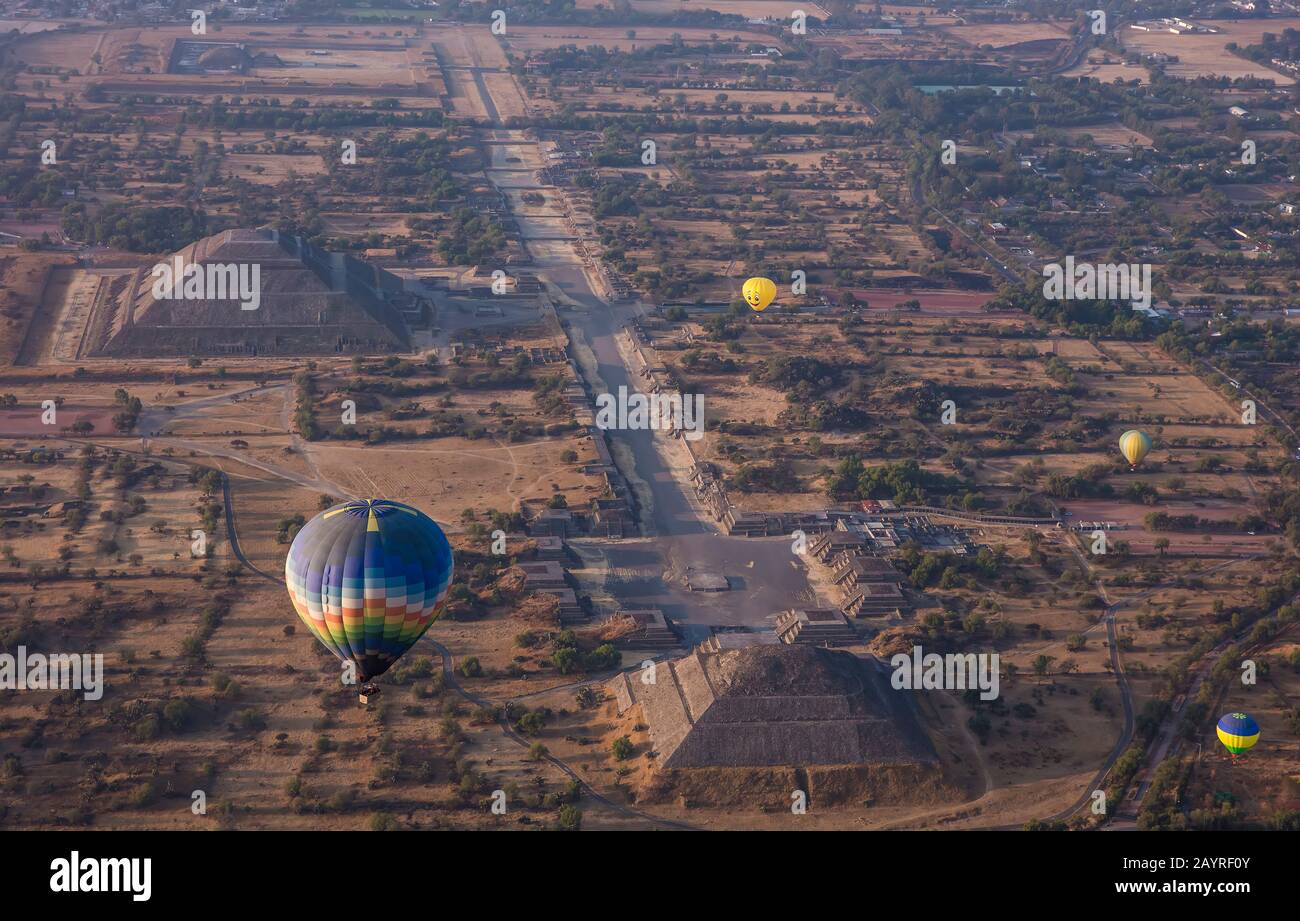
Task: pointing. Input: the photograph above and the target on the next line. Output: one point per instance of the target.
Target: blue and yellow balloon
(1238, 732)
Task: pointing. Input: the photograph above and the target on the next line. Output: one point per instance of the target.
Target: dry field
(924, 45)
(65, 50)
(750, 9)
(239, 426)
(260, 724)
(945, 303)
(28, 26)
(721, 206)
(1113, 134)
(256, 717)
(450, 474)
(524, 39)
(1004, 35)
(23, 282)
(1205, 55)
(1130, 515)
(807, 107)
(1108, 73)
(356, 62)
(139, 529)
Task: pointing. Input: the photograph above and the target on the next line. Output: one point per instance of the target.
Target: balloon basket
(368, 694)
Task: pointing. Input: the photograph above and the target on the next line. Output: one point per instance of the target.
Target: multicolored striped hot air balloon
(1238, 732)
(1134, 445)
(367, 578)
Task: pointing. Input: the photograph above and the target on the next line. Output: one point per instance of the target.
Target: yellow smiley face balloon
(759, 292)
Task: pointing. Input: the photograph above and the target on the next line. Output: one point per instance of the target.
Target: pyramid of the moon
(309, 302)
(225, 57)
(772, 705)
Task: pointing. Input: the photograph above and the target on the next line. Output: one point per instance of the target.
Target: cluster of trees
(947, 570)
(548, 394)
(1163, 521)
(1271, 45)
(27, 186)
(140, 229)
(270, 114)
(802, 377)
(778, 477)
(304, 416)
(569, 658)
(194, 646)
(905, 482)
(129, 409)
(827, 416)
(1088, 483)
(470, 237)
(413, 170)
(287, 528)
(1083, 318)
(492, 379)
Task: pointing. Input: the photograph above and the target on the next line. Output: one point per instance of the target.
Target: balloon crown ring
(359, 507)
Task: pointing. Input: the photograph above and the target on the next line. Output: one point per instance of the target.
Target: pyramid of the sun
(310, 302)
(765, 705)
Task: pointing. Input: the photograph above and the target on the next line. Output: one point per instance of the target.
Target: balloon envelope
(367, 577)
(1238, 732)
(1134, 445)
(759, 292)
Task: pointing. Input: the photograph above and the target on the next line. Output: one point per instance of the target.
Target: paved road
(765, 576)
(668, 506)
(1262, 408)
(1000, 267)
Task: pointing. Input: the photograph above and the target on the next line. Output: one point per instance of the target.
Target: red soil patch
(25, 422)
(948, 303)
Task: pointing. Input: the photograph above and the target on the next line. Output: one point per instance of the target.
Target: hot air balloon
(759, 292)
(1134, 445)
(1238, 732)
(367, 577)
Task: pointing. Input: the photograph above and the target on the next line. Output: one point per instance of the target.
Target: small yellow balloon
(1134, 445)
(759, 292)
